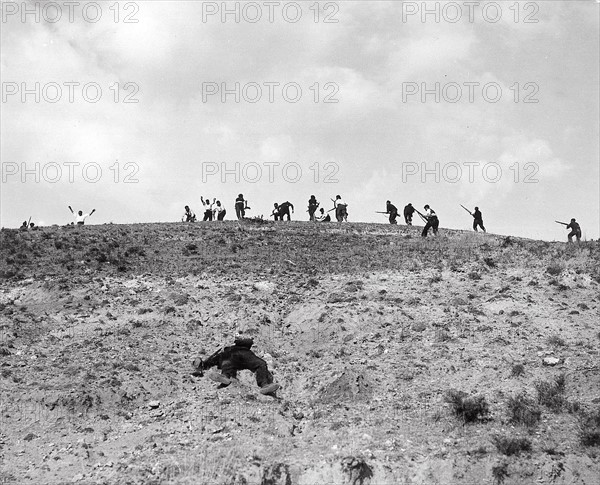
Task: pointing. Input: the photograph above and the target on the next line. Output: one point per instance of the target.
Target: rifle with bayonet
(467, 210)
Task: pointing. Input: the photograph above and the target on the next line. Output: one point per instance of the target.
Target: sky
(137, 109)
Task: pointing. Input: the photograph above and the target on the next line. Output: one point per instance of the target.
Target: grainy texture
(366, 327)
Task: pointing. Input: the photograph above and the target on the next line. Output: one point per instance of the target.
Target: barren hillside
(462, 359)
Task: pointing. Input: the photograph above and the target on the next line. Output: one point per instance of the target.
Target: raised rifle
(422, 216)
(563, 223)
(466, 209)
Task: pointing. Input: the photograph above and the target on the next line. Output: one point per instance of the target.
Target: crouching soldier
(232, 359)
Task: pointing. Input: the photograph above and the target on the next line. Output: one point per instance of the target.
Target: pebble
(550, 361)
(153, 404)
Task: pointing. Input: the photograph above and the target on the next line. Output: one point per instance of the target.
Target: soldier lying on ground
(232, 359)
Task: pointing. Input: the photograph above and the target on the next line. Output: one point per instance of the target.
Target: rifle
(379, 212)
(28, 221)
(466, 209)
(202, 364)
(563, 223)
(422, 216)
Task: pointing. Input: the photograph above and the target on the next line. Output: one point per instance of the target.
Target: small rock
(264, 286)
(550, 361)
(153, 404)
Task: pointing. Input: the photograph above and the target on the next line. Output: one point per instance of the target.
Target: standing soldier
(220, 211)
(80, 217)
(341, 209)
(575, 230)
(208, 210)
(432, 221)
(477, 220)
(409, 210)
(313, 205)
(392, 211)
(240, 206)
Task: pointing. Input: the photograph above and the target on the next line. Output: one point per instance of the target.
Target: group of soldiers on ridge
(283, 211)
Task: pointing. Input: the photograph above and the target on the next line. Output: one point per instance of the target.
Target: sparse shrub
(500, 473)
(551, 394)
(556, 341)
(523, 410)
(473, 275)
(589, 428)
(508, 445)
(554, 269)
(469, 409)
(135, 250)
(490, 262)
(517, 370)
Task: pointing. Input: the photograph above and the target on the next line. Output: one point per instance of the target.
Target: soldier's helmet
(426, 206)
(338, 196)
(573, 220)
(387, 202)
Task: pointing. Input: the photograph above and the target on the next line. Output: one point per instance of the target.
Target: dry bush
(589, 428)
(554, 269)
(551, 394)
(469, 409)
(517, 370)
(508, 445)
(500, 473)
(523, 410)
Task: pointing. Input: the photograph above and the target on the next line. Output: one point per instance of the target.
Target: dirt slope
(367, 327)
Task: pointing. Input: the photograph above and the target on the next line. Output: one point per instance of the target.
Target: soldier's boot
(220, 378)
(269, 389)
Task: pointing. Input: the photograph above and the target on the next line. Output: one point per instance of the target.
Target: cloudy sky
(142, 107)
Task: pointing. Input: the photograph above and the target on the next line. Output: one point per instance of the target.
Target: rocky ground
(370, 330)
